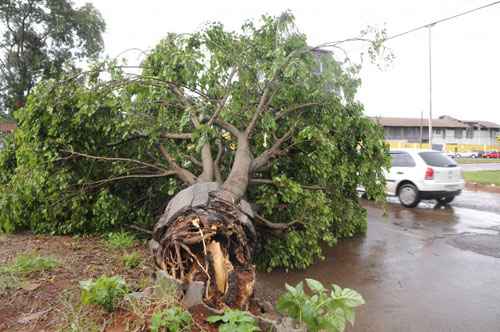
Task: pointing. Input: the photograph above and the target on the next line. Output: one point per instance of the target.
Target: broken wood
(202, 237)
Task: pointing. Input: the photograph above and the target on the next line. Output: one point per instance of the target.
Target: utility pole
(421, 126)
(429, 28)
(430, 83)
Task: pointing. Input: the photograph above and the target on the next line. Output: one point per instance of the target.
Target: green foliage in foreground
(29, 263)
(132, 260)
(234, 321)
(85, 157)
(483, 177)
(173, 319)
(120, 240)
(13, 273)
(324, 310)
(104, 291)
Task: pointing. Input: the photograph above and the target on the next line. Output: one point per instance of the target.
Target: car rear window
(402, 159)
(437, 159)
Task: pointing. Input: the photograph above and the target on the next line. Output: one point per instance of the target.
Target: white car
(423, 174)
(466, 155)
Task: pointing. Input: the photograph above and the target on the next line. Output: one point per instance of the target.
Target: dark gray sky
(466, 51)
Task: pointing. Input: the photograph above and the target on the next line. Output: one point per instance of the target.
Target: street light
(429, 29)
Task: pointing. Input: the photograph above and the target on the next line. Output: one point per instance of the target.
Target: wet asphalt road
(481, 167)
(423, 269)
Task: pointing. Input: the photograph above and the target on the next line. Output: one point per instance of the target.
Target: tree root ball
(203, 237)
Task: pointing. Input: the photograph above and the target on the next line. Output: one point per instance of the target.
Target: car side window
(402, 159)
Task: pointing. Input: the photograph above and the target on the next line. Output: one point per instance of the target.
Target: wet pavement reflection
(433, 268)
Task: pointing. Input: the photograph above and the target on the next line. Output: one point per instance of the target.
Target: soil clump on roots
(203, 237)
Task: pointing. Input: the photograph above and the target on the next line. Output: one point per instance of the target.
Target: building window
(437, 131)
(459, 133)
(469, 133)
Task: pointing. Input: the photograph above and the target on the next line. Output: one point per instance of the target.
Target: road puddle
(438, 263)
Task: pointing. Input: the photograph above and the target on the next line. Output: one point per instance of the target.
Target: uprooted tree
(254, 139)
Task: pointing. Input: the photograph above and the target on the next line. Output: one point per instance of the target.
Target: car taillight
(429, 173)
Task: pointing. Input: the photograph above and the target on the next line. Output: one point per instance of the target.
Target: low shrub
(324, 310)
(120, 240)
(173, 319)
(234, 321)
(104, 291)
(30, 263)
(132, 260)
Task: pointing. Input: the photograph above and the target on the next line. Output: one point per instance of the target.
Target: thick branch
(218, 158)
(271, 182)
(183, 174)
(195, 161)
(175, 87)
(207, 161)
(179, 136)
(270, 224)
(220, 151)
(263, 103)
(335, 43)
(132, 176)
(223, 101)
(176, 135)
(267, 96)
(229, 127)
(270, 153)
(116, 159)
(194, 119)
(283, 113)
(276, 226)
(237, 182)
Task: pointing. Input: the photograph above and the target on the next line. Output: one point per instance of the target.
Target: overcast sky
(466, 51)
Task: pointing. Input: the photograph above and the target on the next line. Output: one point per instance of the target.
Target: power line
(442, 20)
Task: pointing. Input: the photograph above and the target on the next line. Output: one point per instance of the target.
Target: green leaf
(349, 315)
(234, 320)
(315, 285)
(291, 289)
(351, 298)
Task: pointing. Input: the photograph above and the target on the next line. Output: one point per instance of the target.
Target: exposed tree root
(202, 237)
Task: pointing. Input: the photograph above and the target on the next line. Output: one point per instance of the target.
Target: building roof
(7, 127)
(416, 122)
(485, 124)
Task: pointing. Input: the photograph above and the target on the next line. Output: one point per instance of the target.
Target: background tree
(38, 38)
(257, 116)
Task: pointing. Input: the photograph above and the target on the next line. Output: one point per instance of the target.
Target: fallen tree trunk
(204, 237)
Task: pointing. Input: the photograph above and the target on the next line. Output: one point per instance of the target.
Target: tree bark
(235, 186)
(207, 161)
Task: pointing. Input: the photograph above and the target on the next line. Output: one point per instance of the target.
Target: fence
(446, 147)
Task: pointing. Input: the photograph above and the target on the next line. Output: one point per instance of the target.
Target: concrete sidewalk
(481, 167)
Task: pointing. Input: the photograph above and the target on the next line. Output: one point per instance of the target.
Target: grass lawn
(476, 160)
(483, 177)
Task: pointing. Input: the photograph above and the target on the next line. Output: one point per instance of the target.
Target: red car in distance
(492, 154)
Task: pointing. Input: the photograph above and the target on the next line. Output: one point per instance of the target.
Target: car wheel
(408, 195)
(446, 200)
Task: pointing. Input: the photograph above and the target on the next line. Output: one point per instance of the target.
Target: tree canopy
(259, 111)
(40, 37)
